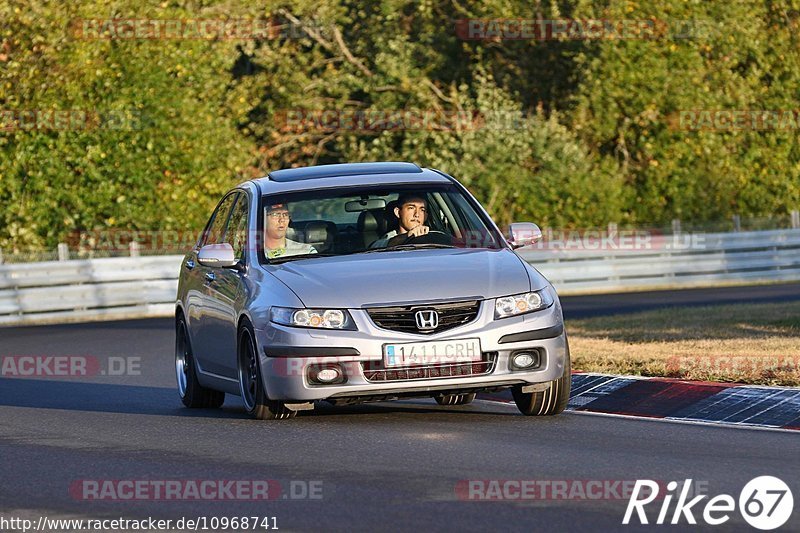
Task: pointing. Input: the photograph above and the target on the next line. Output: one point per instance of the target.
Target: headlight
(312, 318)
(522, 303)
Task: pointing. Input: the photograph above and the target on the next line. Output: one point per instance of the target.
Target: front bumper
(287, 352)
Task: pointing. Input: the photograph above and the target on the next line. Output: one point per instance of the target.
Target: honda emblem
(427, 319)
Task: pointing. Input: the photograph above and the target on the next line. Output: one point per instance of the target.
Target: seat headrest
(320, 232)
(372, 221)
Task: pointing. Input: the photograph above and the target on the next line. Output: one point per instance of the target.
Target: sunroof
(345, 169)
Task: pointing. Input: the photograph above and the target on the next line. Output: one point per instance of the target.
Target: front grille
(402, 318)
(375, 371)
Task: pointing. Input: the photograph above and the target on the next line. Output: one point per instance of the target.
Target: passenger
(411, 212)
(276, 225)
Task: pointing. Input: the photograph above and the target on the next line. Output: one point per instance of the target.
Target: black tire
(191, 392)
(251, 385)
(454, 399)
(548, 402)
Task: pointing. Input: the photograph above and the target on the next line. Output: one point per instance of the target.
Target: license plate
(433, 352)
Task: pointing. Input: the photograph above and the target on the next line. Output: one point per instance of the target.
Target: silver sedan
(364, 282)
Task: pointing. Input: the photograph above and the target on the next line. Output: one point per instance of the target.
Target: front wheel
(551, 401)
(251, 385)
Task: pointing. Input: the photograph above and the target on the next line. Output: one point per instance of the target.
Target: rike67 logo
(765, 503)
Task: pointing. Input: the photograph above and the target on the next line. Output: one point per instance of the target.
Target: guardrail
(117, 288)
(89, 289)
(672, 261)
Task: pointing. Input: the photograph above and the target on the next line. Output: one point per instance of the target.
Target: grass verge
(756, 344)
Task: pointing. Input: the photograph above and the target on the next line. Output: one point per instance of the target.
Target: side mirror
(523, 234)
(217, 255)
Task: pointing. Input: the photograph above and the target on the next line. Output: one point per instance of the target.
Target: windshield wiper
(401, 247)
(286, 258)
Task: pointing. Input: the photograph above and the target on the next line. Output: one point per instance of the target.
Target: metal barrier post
(63, 251)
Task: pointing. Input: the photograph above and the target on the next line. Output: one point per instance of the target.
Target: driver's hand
(419, 230)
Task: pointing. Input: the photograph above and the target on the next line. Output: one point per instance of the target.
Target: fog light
(524, 360)
(328, 375)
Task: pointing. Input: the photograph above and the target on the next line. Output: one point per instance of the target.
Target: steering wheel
(432, 237)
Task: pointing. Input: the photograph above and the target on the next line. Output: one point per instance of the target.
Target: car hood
(387, 278)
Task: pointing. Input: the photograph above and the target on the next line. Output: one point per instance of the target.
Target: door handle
(211, 276)
(189, 264)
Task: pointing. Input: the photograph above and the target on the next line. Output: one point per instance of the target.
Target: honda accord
(364, 282)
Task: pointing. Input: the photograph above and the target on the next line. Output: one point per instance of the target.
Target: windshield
(371, 220)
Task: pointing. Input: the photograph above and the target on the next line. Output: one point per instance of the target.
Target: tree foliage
(561, 132)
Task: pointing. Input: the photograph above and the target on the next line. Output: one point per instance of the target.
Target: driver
(411, 213)
(276, 225)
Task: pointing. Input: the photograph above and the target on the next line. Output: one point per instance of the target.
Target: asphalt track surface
(630, 302)
(394, 466)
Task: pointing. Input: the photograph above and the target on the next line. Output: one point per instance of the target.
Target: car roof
(346, 175)
(345, 169)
